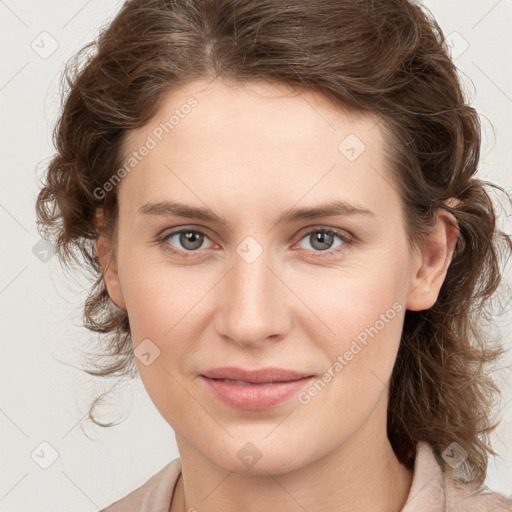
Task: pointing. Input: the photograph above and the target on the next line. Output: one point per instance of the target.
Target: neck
(362, 474)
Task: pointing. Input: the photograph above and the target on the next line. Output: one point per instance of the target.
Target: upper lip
(255, 376)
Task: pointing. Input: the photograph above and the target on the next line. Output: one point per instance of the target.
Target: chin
(263, 457)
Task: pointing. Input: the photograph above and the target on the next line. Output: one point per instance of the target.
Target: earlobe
(432, 261)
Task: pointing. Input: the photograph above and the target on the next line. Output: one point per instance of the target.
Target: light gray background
(43, 398)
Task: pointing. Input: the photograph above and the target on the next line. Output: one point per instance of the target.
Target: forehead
(254, 113)
(257, 137)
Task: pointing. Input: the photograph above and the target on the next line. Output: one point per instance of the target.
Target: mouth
(254, 389)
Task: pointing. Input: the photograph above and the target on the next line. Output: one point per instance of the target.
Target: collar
(427, 492)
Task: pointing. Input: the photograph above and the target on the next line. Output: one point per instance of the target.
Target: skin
(248, 153)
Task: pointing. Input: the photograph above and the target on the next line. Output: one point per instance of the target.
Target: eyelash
(319, 254)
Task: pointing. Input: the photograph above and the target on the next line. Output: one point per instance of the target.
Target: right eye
(183, 241)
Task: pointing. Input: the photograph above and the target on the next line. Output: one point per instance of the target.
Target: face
(302, 264)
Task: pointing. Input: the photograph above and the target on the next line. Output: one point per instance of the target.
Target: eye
(188, 242)
(184, 240)
(323, 239)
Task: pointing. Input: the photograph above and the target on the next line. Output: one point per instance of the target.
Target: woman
(292, 250)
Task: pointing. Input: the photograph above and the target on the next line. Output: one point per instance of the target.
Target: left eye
(323, 239)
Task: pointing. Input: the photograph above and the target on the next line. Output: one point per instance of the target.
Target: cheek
(364, 313)
(164, 323)
(360, 357)
(159, 298)
(352, 304)
(160, 306)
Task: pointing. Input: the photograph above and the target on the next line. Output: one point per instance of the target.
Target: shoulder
(433, 490)
(154, 495)
(461, 497)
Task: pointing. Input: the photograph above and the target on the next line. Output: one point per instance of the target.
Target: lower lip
(255, 396)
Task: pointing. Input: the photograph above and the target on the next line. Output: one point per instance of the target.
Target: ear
(107, 259)
(431, 263)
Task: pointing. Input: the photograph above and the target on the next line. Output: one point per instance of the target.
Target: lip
(254, 389)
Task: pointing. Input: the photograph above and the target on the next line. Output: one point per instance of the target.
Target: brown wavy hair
(385, 58)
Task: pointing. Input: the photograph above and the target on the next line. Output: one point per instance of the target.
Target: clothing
(431, 490)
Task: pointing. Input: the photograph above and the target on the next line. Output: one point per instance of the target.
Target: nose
(253, 304)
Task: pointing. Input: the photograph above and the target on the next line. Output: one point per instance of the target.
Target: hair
(386, 59)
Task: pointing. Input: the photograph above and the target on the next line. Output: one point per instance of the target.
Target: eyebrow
(331, 209)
